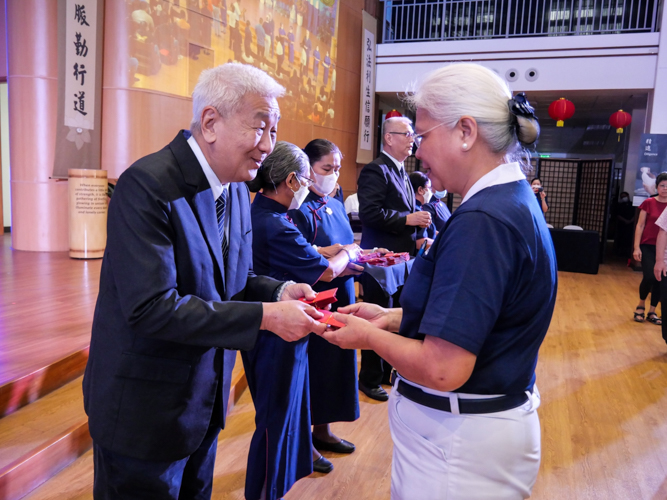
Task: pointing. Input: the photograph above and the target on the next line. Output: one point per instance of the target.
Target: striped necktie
(220, 206)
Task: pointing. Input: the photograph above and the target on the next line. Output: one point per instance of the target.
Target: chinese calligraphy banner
(367, 96)
(652, 161)
(80, 55)
(78, 136)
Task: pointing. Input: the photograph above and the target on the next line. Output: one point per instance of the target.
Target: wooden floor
(46, 307)
(603, 380)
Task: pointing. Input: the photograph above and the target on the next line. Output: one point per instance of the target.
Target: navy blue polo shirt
(488, 285)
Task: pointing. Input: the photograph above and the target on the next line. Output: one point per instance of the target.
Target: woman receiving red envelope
(475, 308)
(277, 371)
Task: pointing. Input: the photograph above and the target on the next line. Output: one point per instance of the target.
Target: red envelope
(330, 320)
(322, 299)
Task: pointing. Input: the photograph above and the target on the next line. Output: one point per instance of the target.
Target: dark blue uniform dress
(334, 393)
(425, 232)
(488, 285)
(277, 371)
(440, 214)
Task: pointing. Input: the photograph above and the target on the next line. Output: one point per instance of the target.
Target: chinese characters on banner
(80, 51)
(652, 161)
(367, 101)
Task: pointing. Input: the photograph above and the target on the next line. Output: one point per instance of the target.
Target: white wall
(626, 61)
(658, 115)
(4, 144)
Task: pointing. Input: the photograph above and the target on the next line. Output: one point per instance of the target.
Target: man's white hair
(387, 124)
(224, 87)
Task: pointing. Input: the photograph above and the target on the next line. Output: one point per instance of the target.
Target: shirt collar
(502, 174)
(399, 165)
(217, 187)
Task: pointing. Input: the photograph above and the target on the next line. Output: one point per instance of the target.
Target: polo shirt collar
(502, 174)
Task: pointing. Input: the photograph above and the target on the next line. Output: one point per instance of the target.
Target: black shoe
(377, 392)
(341, 447)
(322, 465)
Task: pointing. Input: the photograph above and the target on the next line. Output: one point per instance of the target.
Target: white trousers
(442, 456)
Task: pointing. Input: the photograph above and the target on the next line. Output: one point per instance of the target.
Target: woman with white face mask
(421, 185)
(322, 220)
(277, 371)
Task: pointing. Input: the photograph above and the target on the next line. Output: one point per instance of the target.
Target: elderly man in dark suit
(177, 290)
(389, 220)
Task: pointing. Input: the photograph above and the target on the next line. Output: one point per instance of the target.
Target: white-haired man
(177, 290)
(389, 220)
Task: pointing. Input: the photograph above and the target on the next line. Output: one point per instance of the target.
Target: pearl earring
(465, 146)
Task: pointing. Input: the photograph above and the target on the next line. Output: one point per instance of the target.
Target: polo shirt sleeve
(473, 269)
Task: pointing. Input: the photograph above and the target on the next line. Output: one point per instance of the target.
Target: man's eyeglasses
(307, 181)
(420, 137)
(409, 135)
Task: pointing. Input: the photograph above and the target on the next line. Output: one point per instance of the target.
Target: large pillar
(658, 115)
(39, 204)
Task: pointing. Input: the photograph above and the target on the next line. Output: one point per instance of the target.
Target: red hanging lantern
(561, 110)
(392, 114)
(620, 120)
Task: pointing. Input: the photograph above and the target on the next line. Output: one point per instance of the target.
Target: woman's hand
(353, 336)
(637, 255)
(376, 315)
(352, 269)
(353, 251)
(331, 251)
(543, 194)
(660, 269)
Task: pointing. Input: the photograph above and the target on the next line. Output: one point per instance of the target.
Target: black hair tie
(519, 106)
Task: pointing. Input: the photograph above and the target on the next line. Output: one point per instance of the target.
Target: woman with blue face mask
(276, 370)
(421, 185)
(323, 222)
(438, 209)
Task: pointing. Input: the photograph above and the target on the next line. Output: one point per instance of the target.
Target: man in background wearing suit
(177, 289)
(389, 220)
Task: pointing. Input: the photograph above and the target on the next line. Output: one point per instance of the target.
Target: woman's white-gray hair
(224, 87)
(466, 89)
(285, 159)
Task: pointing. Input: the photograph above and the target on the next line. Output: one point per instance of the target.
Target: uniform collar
(263, 201)
(502, 174)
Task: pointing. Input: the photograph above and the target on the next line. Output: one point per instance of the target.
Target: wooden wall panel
(138, 122)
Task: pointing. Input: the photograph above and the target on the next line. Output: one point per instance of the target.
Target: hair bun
(524, 120)
(527, 130)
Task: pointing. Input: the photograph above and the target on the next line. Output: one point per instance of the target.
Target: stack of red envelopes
(386, 260)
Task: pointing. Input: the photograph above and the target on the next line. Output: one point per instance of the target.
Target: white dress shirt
(217, 187)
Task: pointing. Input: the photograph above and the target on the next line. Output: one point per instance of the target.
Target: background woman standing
(646, 233)
(322, 220)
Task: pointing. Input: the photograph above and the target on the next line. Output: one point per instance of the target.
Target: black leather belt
(488, 405)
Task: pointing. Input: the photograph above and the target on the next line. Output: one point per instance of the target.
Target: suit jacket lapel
(203, 204)
(235, 225)
(402, 184)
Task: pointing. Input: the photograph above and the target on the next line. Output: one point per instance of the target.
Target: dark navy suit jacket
(385, 200)
(165, 312)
